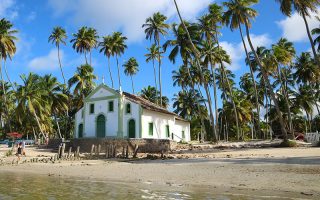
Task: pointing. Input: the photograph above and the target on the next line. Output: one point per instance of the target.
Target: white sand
(287, 171)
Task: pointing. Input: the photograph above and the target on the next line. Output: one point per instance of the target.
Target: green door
(80, 131)
(101, 126)
(132, 128)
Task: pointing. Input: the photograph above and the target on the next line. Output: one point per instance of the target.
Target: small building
(108, 113)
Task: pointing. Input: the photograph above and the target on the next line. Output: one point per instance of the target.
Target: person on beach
(19, 151)
(23, 146)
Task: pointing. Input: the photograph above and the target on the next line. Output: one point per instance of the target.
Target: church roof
(149, 105)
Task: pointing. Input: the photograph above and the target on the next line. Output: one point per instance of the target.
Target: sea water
(34, 187)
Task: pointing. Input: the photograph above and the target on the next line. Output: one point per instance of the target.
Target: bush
(183, 142)
(288, 143)
(9, 153)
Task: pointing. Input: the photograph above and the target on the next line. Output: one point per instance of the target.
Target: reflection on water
(21, 186)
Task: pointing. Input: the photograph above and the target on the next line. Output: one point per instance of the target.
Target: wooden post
(162, 151)
(62, 149)
(135, 151)
(99, 149)
(59, 151)
(69, 152)
(78, 152)
(92, 150)
(123, 152)
(127, 152)
(114, 151)
(107, 151)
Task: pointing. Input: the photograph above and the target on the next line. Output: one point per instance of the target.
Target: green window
(151, 129)
(167, 131)
(91, 108)
(128, 108)
(110, 106)
(183, 135)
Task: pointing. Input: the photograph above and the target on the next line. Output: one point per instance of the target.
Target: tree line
(282, 84)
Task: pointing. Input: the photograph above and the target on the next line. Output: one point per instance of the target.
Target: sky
(35, 19)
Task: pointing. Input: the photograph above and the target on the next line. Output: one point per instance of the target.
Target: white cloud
(48, 62)
(31, 16)
(294, 29)
(7, 9)
(125, 15)
(236, 50)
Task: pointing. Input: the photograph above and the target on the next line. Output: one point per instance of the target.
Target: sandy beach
(287, 172)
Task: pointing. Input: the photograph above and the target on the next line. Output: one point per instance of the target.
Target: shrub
(288, 143)
(9, 153)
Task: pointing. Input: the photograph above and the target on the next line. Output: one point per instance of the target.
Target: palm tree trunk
(215, 95)
(110, 72)
(5, 98)
(118, 72)
(159, 60)
(310, 39)
(64, 80)
(7, 75)
(59, 131)
(287, 102)
(253, 79)
(132, 84)
(215, 136)
(38, 122)
(85, 56)
(266, 79)
(155, 80)
(197, 54)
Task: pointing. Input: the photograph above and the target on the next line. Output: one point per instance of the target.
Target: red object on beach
(14, 135)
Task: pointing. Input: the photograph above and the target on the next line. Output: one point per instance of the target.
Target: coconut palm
(303, 8)
(58, 37)
(7, 49)
(106, 47)
(316, 33)
(243, 14)
(284, 52)
(234, 18)
(153, 54)
(83, 81)
(306, 71)
(30, 99)
(82, 42)
(57, 100)
(155, 26)
(305, 100)
(149, 93)
(181, 77)
(131, 67)
(93, 40)
(118, 49)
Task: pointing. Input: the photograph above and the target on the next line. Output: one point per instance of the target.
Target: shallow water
(26, 186)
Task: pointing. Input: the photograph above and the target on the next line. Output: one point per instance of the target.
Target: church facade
(108, 113)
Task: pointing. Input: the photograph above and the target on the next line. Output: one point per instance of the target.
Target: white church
(108, 113)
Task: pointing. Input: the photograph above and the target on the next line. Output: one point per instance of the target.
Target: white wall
(159, 124)
(78, 120)
(179, 127)
(101, 107)
(133, 115)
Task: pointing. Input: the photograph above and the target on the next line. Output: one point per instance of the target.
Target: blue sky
(35, 19)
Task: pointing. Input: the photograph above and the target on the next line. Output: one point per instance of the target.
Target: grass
(288, 143)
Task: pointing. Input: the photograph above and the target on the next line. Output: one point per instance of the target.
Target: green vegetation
(288, 143)
(279, 81)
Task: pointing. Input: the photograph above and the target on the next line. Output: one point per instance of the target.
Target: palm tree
(153, 55)
(316, 32)
(81, 42)
(30, 99)
(7, 48)
(284, 52)
(118, 49)
(303, 8)
(93, 40)
(156, 26)
(57, 100)
(83, 81)
(57, 37)
(181, 77)
(106, 46)
(305, 100)
(243, 11)
(149, 93)
(131, 67)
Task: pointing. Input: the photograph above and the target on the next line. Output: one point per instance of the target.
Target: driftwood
(92, 150)
(69, 152)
